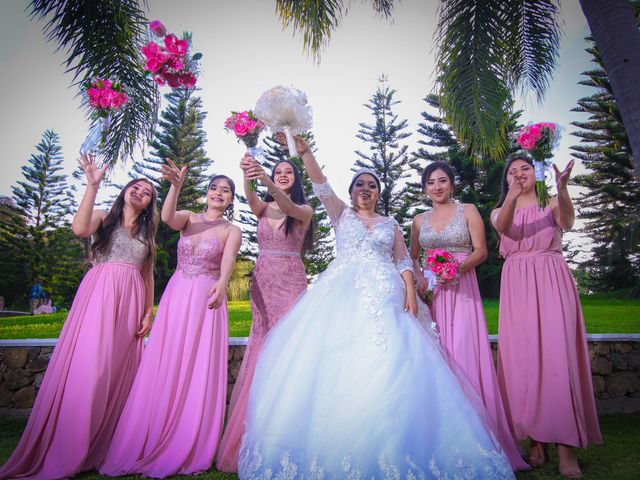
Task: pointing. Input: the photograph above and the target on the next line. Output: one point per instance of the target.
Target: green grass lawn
(603, 314)
(617, 458)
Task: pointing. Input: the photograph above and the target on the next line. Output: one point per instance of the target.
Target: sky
(246, 52)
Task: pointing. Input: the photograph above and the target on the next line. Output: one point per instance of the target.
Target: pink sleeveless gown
(173, 418)
(278, 280)
(543, 359)
(457, 310)
(91, 370)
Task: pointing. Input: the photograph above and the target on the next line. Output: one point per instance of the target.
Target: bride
(349, 384)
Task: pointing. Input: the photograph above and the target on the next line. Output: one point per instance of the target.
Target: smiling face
(365, 192)
(284, 176)
(220, 194)
(139, 195)
(523, 172)
(439, 187)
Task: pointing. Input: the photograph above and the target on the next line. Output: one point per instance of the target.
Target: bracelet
(148, 315)
(274, 192)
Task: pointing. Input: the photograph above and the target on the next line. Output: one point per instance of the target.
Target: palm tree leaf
(103, 39)
(532, 43)
(316, 19)
(473, 92)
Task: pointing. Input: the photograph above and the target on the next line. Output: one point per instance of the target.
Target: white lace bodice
(372, 241)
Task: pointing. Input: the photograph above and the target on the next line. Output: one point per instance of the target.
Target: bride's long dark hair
(145, 227)
(298, 197)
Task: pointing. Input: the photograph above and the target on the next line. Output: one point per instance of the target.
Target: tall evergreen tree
(610, 201)
(181, 138)
(14, 255)
(317, 260)
(386, 156)
(46, 201)
(476, 184)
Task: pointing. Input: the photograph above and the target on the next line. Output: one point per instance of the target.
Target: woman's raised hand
(301, 145)
(172, 173)
(88, 165)
(562, 177)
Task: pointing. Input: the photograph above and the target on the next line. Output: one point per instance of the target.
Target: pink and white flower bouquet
(440, 267)
(539, 139)
(169, 61)
(103, 96)
(247, 129)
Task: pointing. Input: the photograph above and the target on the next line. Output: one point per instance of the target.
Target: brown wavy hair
(146, 226)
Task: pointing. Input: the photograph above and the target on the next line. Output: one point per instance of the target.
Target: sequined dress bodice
(274, 241)
(123, 248)
(200, 248)
(454, 238)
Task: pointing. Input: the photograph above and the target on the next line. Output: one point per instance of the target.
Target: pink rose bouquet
(439, 265)
(169, 62)
(247, 129)
(103, 96)
(539, 139)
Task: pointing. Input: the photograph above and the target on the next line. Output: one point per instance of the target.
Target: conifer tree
(181, 138)
(610, 199)
(14, 255)
(386, 156)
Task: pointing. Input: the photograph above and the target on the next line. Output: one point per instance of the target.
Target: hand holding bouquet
(169, 62)
(539, 140)
(440, 267)
(247, 129)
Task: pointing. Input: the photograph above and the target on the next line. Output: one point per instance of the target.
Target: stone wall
(615, 363)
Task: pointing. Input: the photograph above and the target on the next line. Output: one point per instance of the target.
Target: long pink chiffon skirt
(172, 422)
(457, 310)
(543, 362)
(88, 378)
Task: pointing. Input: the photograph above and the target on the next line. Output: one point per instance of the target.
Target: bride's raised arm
(321, 188)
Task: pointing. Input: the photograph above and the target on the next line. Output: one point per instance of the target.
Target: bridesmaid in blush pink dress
(543, 360)
(172, 421)
(456, 306)
(284, 229)
(97, 354)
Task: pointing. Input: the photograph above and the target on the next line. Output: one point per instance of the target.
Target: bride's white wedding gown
(349, 385)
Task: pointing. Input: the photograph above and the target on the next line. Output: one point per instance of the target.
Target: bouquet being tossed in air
(539, 139)
(104, 97)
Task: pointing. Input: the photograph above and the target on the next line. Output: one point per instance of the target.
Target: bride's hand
(301, 146)
(411, 304)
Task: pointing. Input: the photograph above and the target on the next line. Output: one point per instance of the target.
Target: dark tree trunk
(615, 31)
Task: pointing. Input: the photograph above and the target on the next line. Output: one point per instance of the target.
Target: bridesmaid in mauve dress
(97, 354)
(284, 229)
(172, 421)
(457, 307)
(543, 360)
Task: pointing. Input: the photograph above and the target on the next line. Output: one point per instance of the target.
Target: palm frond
(532, 43)
(103, 39)
(315, 19)
(473, 92)
(383, 7)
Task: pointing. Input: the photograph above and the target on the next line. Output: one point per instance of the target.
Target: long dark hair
(229, 210)
(298, 197)
(505, 172)
(146, 226)
(438, 165)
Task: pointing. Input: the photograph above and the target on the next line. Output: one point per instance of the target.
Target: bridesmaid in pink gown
(543, 361)
(457, 307)
(97, 354)
(172, 421)
(284, 230)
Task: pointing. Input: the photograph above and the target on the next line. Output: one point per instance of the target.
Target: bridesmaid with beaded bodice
(172, 422)
(98, 351)
(278, 279)
(456, 307)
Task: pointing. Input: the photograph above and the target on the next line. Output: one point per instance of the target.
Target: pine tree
(14, 255)
(610, 201)
(180, 138)
(45, 200)
(386, 156)
(317, 260)
(478, 184)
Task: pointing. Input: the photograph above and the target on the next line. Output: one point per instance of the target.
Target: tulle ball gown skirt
(349, 385)
(88, 378)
